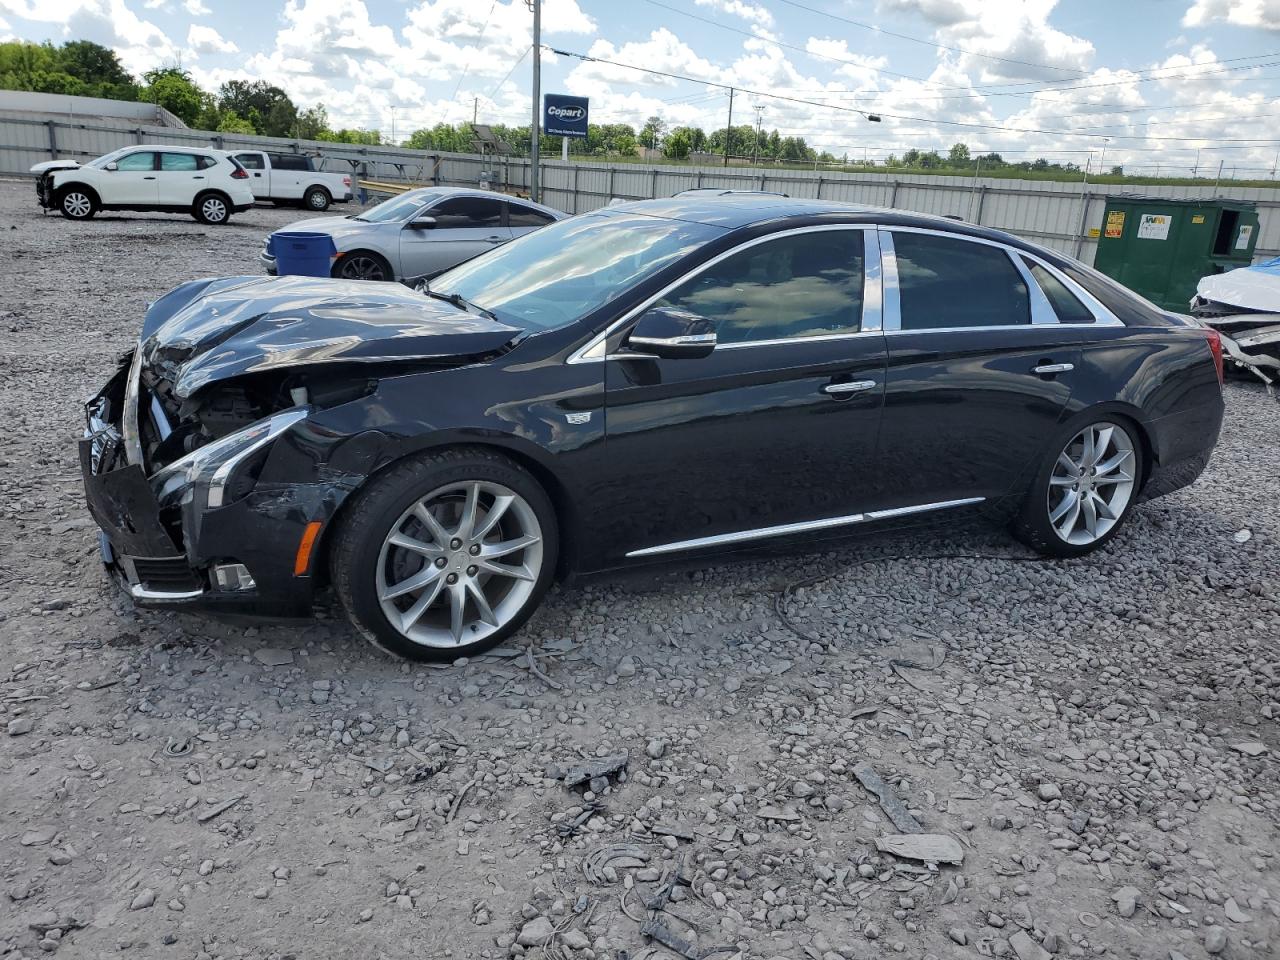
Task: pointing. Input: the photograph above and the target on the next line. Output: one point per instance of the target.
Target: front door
(259, 174)
(464, 227)
(979, 370)
(777, 427)
(133, 182)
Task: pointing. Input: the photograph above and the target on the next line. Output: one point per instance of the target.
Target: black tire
(317, 198)
(77, 203)
(212, 208)
(1033, 526)
(357, 549)
(362, 265)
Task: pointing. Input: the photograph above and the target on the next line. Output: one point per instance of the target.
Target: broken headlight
(212, 467)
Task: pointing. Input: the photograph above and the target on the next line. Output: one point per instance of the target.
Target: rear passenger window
(178, 161)
(1065, 305)
(947, 282)
(522, 216)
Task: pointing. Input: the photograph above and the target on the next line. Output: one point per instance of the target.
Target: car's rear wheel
(362, 265)
(317, 198)
(212, 208)
(1084, 489)
(77, 204)
(446, 554)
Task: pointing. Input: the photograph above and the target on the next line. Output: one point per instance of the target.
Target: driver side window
(137, 161)
(805, 285)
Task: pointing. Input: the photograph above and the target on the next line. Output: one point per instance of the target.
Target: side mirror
(423, 223)
(112, 166)
(672, 334)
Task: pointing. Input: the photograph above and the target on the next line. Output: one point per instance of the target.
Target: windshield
(564, 271)
(106, 158)
(397, 208)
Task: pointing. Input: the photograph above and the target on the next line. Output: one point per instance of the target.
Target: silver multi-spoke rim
(459, 564)
(1091, 483)
(215, 211)
(362, 268)
(318, 200)
(77, 204)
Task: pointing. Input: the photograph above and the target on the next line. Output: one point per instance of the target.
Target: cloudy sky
(1157, 78)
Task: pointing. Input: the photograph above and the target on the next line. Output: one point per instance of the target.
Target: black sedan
(661, 379)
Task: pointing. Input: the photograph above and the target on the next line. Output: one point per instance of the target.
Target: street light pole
(536, 129)
(755, 153)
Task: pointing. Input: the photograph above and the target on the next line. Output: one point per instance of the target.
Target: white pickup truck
(286, 178)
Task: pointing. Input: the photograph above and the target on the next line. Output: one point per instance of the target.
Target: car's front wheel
(77, 204)
(362, 265)
(212, 208)
(1084, 489)
(446, 554)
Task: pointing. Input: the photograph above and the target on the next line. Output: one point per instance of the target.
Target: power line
(467, 66)
(948, 123)
(519, 60)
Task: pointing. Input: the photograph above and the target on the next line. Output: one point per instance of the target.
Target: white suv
(207, 184)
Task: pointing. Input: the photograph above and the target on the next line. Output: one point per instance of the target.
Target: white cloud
(202, 40)
(747, 11)
(940, 13)
(140, 44)
(1241, 13)
(196, 8)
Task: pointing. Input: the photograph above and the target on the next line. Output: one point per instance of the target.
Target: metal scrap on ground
(926, 847)
(586, 772)
(890, 802)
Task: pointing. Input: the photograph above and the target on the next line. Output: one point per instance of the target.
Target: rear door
(133, 181)
(465, 227)
(180, 177)
(979, 369)
(776, 427)
(524, 219)
(259, 173)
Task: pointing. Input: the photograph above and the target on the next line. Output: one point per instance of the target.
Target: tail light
(1215, 347)
(239, 174)
(346, 181)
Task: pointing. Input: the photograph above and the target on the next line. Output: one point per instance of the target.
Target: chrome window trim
(1101, 315)
(806, 526)
(594, 350)
(1042, 312)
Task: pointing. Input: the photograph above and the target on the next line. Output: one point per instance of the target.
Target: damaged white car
(1244, 306)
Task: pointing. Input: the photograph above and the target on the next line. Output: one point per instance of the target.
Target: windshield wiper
(461, 302)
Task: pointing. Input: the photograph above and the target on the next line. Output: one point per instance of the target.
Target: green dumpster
(1161, 247)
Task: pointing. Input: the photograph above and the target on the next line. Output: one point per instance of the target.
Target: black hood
(210, 330)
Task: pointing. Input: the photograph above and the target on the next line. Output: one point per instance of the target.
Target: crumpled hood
(47, 165)
(210, 330)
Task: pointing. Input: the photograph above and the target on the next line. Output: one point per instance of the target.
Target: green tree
(263, 104)
(678, 143)
(173, 89)
(958, 155)
(231, 122)
(98, 68)
(652, 132)
(310, 123)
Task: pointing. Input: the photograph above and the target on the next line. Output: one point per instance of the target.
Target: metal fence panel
(1065, 216)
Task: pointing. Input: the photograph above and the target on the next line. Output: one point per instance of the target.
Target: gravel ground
(1097, 739)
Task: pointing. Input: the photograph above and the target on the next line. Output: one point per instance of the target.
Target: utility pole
(393, 124)
(536, 130)
(1102, 162)
(1274, 164)
(1219, 180)
(728, 130)
(755, 153)
(1196, 169)
(475, 110)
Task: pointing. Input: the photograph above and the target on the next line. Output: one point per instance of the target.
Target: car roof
(173, 148)
(735, 211)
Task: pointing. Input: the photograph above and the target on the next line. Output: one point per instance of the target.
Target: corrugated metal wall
(1065, 216)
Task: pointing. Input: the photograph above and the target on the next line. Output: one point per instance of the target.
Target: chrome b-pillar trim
(807, 526)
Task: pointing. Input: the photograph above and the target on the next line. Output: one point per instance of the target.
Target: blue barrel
(300, 254)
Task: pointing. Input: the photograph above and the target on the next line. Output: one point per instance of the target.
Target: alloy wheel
(361, 267)
(77, 204)
(1092, 483)
(214, 210)
(459, 564)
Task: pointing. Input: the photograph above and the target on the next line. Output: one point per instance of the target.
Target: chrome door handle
(853, 386)
(1046, 368)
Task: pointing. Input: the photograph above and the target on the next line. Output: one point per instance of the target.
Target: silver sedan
(423, 232)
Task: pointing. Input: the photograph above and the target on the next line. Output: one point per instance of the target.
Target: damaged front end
(1243, 305)
(217, 455)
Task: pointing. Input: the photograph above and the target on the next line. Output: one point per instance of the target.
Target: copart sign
(564, 116)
